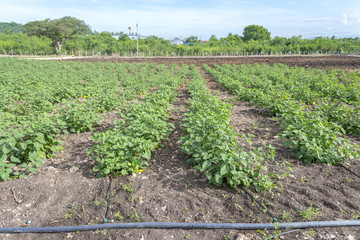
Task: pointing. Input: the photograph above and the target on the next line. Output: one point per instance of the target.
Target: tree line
(73, 35)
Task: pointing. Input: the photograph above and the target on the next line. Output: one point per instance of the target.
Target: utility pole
(137, 39)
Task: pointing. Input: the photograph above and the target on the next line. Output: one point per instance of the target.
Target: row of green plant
(125, 148)
(212, 142)
(308, 132)
(27, 137)
(33, 86)
(331, 92)
(308, 85)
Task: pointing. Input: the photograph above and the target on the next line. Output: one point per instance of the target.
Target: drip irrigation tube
(167, 225)
(348, 170)
(108, 201)
(252, 197)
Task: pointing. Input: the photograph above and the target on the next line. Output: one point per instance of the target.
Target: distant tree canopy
(192, 40)
(69, 34)
(256, 32)
(58, 30)
(11, 27)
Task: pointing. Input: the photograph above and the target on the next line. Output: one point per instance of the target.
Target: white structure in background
(176, 41)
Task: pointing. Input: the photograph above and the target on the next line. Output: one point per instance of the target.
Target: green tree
(192, 40)
(213, 41)
(11, 27)
(256, 32)
(123, 37)
(58, 30)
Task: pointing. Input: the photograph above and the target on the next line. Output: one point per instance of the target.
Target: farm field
(180, 137)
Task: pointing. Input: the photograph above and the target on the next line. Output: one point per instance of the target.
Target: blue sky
(174, 18)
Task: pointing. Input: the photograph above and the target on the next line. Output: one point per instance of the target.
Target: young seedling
(357, 215)
(96, 202)
(129, 189)
(286, 216)
(310, 213)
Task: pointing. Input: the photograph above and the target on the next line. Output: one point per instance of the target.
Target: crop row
(212, 144)
(28, 136)
(307, 85)
(31, 86)
(308, 130)
(125, 148)
(331, 94)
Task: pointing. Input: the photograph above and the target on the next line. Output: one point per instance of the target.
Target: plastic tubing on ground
(168, 225)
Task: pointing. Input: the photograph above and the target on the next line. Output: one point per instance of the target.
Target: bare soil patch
(316, 61)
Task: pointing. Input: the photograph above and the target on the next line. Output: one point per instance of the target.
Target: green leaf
(5, 150)
(147, 154)
(33, 169)
(34, 156)
(205, 165)
(15, 159)
(223, 170)
(97, 168)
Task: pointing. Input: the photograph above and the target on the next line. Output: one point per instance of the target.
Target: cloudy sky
(174, 18)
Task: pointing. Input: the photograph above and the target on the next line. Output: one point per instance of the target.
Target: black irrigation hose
(189, 226)
(348, 170)
(108, 193)
(262, 206)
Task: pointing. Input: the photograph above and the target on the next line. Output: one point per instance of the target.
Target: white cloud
(350, 18)
(345, 19)
(319, 19)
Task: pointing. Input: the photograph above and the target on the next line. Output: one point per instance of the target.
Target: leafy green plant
(310, 212)
(78, 117)
(120, 217)
(27, 146)
(211, 141)
(126, 148)
(315, 133)
(129, 189)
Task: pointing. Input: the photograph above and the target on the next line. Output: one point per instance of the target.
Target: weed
(342, 212)
(227, 237)
(286, 216)
(238, 207)
(69, 212)
(96, 202)
(129, 189)
(135, 216)
(310, 213)
(120, 217)
(357, 215)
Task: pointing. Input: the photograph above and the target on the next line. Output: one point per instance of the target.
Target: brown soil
(66, 192)
(316, 61)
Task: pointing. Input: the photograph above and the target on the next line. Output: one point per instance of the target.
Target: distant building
(203, 42)
(177, 41)
(132, 37)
